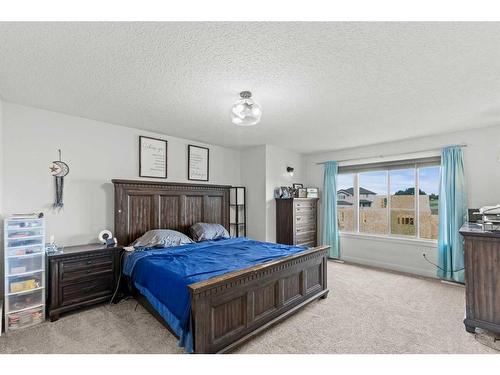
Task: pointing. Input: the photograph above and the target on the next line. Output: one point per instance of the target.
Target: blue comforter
(162, 275)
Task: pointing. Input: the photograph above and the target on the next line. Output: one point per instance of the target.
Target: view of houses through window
(384, 202)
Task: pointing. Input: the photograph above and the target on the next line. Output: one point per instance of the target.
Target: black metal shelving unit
(238, 212)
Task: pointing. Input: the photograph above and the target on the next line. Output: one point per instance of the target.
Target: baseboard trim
(453, 283)
(393, 271)
(337, 261)
(391, 267)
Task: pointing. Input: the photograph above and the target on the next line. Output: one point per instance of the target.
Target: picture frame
(285, 192)
(198, 163)
(153, 157)
(298, 186)
(302, 193)
(312, 192)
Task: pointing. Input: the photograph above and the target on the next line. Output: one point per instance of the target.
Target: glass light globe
(246, 111)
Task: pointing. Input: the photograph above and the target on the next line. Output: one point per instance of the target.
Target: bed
(252, 286)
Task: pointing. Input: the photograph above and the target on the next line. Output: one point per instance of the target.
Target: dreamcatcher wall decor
(59, 170)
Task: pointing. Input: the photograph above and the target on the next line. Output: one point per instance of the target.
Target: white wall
(483, 178)
(253, 177)
(96, 152)
(1, 156)
(1, 207)
(277, 159)
(263, 169)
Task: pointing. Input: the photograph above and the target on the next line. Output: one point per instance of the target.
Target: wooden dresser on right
(296, 221)
(482, 278)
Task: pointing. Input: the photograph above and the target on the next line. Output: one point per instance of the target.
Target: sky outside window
(402, 179)
(429, 180)
(374, 181)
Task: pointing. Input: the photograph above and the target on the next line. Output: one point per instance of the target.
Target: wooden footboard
(229, 309)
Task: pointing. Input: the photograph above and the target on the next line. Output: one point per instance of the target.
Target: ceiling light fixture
(246, 111)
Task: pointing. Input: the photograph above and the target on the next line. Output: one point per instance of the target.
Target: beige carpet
(367, 311)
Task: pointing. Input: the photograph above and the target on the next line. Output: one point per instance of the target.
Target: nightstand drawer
(87, 262)
(70, 277)
(74, 270)
(86, 290)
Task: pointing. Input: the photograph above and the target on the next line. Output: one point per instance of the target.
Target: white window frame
(356, 201)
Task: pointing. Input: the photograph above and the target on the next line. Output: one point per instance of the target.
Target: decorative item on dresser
(296, 221)
(482, 278)
(80, 276)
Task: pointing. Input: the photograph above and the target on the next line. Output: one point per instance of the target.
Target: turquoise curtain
(452, 214)
(330, 230)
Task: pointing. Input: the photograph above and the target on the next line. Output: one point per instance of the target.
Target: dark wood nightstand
(80, 276)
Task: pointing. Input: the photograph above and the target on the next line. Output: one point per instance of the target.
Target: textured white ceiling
(321, 85)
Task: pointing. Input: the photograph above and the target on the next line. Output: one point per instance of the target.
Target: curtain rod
(396, 154)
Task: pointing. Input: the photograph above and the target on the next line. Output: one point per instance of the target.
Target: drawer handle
(89, 262)
(89, 271)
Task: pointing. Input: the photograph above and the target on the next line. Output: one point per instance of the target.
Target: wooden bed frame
(229, 309)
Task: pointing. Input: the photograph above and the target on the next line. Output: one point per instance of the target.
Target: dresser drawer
(309, 218)
(87, 290)
(306, 236)
(303, 227)
(304, 204)
(305, 210)
(76, 269)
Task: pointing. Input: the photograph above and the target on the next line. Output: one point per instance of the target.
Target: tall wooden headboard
(144, 205)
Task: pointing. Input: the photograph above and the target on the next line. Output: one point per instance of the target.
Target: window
(345, 202)
(402, 184)
(429, 202)
(381, 198)
(373, 202)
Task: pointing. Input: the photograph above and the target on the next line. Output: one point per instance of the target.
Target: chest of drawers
(296, 221)
(482, 278)
(80, 276)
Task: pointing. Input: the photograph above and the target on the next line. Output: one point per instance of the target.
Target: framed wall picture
(297, 186)
(152, 157)
(198, 163)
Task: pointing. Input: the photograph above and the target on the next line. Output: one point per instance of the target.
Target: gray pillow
(207, 231)
(162, 238)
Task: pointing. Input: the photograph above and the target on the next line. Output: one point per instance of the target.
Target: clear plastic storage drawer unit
(24, 241)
